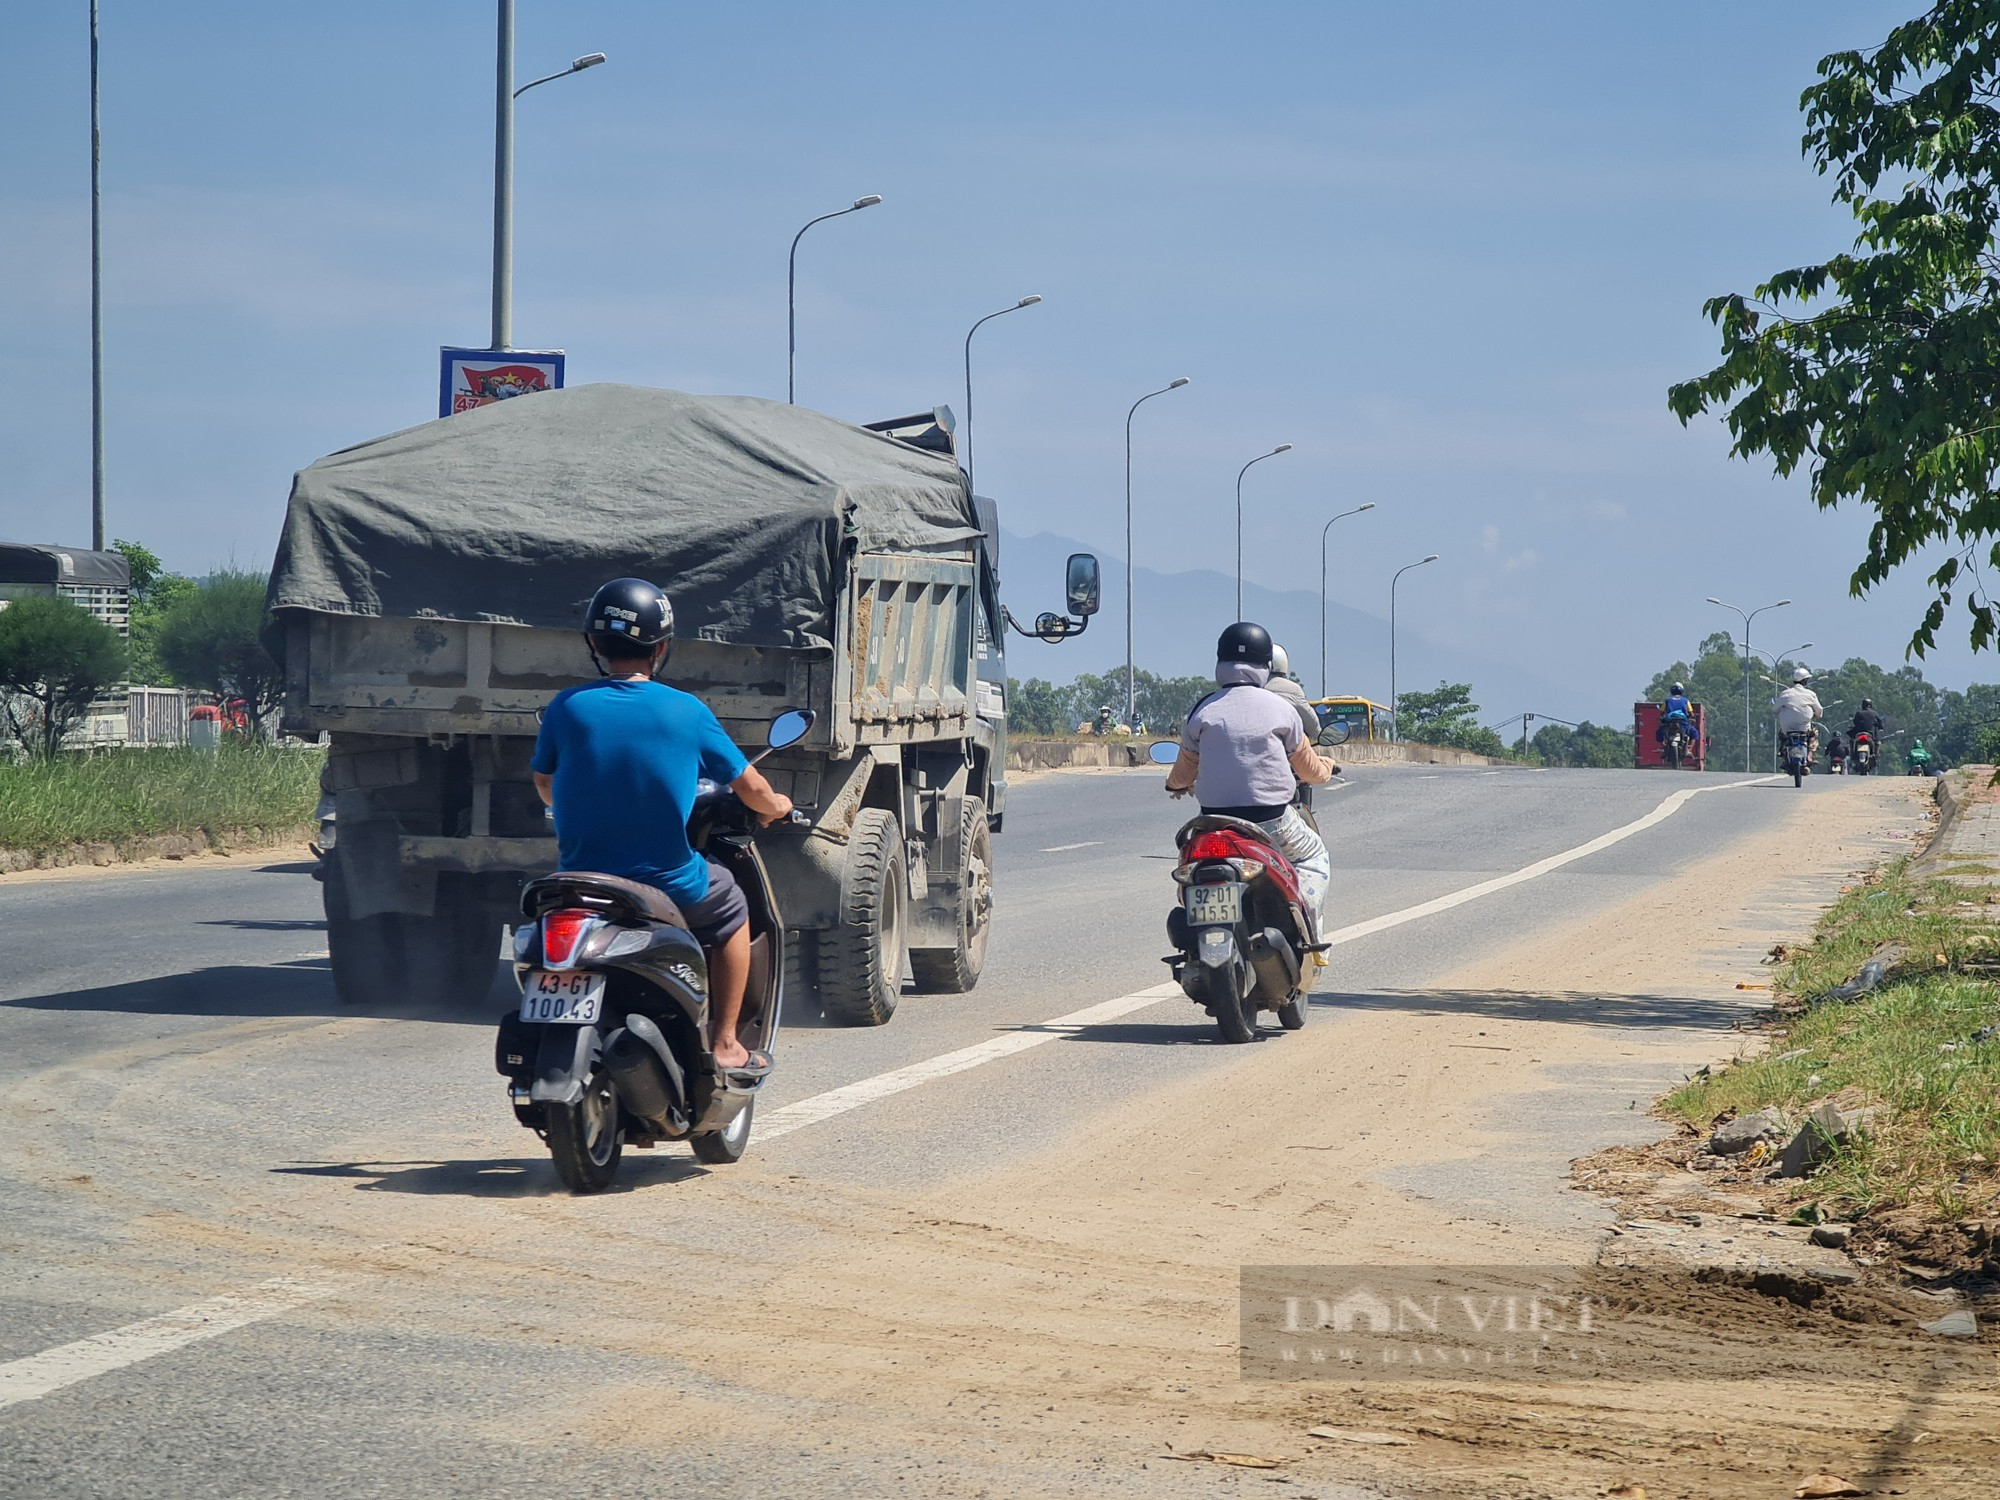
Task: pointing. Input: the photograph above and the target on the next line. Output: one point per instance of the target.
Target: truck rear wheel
(393, 958)
(861, 956)
(954, 970)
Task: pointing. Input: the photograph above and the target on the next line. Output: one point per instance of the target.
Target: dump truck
(427, 599)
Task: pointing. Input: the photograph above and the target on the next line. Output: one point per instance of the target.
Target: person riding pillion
(1242, 751)
(1797, 707)
(1287, 687)
(618, 761)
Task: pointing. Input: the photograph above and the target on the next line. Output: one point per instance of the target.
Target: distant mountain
(1178, 616)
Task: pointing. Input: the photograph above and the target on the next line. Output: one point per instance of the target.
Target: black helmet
(1246, 643)
(1867, 702)
(628, 612)
(1679, 691)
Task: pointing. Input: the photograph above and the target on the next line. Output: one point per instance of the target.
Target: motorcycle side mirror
(1335, 733)
(791, 726)
(1082, 585)
(1163, 752)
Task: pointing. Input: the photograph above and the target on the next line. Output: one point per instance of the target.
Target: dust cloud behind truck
(429, 590)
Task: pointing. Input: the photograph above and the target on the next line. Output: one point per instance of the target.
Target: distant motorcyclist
(1797, 707)
(1243, 750)
(1287, 687)
(1106, 723)
(1920, 759)
(1675, 708)
(1866, 720)
(1837, 749)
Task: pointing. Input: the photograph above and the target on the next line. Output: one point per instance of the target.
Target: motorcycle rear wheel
(1292, 1014)
(1233, 1014)
(718, 1148)
(586, 1139)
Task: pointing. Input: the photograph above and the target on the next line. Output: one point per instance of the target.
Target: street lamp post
(1130, 695)
(96, 306)
(504, 95)
(1322, 587)
(1028, 301)
(1281, 448)
(1395, 728)
(1747, 618)
(792, 293)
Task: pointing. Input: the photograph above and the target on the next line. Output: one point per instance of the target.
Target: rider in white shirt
(1797, 706)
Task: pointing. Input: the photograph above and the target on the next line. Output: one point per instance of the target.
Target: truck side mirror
(1082, 585)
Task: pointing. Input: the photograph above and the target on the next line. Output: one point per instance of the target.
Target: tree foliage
(55, 659)
(1595, 746)
(1876, 369)
(1446, 716)
(154, 592)
(1162, 703)
(209, 639)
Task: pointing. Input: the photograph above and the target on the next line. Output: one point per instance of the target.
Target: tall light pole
(1028, 301)
(1322, 587)
(1131, 703)
(1281, 448)
(1396, 729)
(792, 293)
(1747, 618)
(96, 305)
(504, 95)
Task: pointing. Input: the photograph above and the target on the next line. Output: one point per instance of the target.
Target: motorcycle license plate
(1208, 904)
(575, 999)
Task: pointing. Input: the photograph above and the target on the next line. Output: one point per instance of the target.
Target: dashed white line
(1065, 848)
(37, 1375)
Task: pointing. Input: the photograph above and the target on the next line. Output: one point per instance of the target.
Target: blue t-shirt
(625, 757)
(1677, 707)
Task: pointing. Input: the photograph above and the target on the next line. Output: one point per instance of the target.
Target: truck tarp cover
(514, 513)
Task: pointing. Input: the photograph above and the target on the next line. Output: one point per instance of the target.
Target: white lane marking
(1539, 868)
(1065, 848)
(37, 1375)
(818, 1107)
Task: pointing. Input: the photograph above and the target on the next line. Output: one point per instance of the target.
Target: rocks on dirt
(1825, 1131)
(1826, 1487)
(1354, 1435)
(1832, 1236)
(1740, 1134)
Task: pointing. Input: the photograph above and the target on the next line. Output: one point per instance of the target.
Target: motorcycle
(1863, 758)
(1798, 754)
(610, 1045)
(1675, 741)
(1244, 941)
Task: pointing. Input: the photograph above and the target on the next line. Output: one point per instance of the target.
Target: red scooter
(1244, 941)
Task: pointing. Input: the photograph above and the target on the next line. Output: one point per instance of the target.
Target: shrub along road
(1018, 1278)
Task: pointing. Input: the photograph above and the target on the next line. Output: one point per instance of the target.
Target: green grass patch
(117, 796)
(1906, 1046)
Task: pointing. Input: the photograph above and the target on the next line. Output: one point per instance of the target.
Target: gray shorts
(717, 917)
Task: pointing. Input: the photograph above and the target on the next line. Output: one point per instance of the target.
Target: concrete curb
(1053, 755)
(157, 846)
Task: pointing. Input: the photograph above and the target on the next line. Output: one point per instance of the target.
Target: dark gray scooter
(610, 1044)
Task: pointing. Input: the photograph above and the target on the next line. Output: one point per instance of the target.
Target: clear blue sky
(1454, 252)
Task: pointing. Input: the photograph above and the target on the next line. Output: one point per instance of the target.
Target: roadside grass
(1907, 1046)
(117, 796)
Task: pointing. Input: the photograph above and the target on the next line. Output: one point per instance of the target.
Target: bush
(55, 659)
(210, 639)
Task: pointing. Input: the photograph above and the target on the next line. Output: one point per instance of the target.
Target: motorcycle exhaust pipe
(1276, 966)
(644, 1085)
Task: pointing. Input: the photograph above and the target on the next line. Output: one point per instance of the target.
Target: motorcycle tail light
(1207, 846)
(562, 931)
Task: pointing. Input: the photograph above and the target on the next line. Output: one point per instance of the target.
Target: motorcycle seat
(587, 887)
(1215, 823)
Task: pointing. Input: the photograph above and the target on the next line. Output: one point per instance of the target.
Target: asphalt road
(185, 1111)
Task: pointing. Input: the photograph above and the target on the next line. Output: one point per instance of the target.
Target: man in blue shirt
(618, 761)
